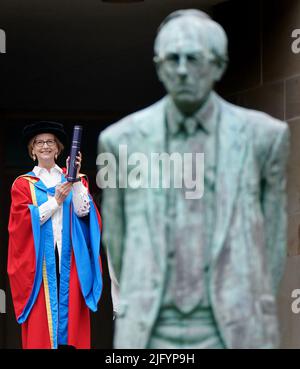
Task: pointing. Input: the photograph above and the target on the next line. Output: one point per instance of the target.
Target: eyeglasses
(192, 60)
(41, 143)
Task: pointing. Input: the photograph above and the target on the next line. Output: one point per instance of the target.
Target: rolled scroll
(75, 148)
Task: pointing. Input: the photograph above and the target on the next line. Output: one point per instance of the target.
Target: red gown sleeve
(21, 253)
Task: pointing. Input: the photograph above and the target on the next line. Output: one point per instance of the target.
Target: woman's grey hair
(213, 32)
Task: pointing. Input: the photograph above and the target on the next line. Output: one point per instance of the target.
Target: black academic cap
(57, 129)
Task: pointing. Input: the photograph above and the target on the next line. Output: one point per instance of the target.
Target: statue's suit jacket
(249, 243)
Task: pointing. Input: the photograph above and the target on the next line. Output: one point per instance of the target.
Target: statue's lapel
(232, 146)
(154, 142)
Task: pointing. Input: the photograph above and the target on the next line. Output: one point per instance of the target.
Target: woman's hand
(77, 163)
(62, 191)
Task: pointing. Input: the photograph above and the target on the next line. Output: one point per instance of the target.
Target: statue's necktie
(190, 125)
(188, 240)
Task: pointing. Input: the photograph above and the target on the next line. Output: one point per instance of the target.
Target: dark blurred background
(90, 62)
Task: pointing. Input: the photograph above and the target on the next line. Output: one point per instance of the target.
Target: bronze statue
(197, 272)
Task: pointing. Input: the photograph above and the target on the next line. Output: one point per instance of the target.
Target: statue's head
(190, 55)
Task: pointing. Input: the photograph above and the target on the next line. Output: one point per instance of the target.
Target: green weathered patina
(202, 272)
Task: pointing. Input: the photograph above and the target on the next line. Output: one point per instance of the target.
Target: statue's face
(186, 67)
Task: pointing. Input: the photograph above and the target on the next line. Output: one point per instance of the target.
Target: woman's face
(45, 148)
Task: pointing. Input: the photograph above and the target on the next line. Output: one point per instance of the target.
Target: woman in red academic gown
(54, 239)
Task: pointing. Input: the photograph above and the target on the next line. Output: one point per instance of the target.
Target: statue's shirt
(190, 222)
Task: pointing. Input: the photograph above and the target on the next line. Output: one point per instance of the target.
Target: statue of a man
(198, 272)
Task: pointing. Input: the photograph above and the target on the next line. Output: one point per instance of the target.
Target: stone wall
(264, 74)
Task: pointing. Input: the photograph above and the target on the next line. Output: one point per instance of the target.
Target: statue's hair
(181, 13)
(213, 32)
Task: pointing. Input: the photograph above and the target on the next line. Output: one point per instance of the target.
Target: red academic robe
(21, 269)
